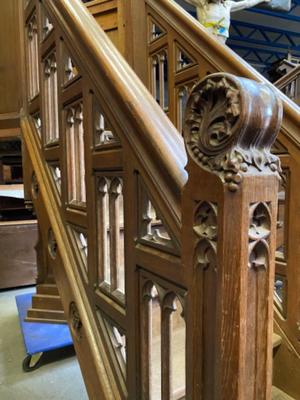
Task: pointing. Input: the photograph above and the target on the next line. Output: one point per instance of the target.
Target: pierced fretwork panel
(183, 59)
(281, 278)
(80, 240)
(70, 70)
(47, 25)
(281, 237)
(37, 123)
(152, 230)
(110, 221)
(75, 154)
(33, 57)
(155, 30)
(182, 92)
(163, 341)
(292, 89)
(56, 174)
(103, 134)
(281, 291)
(50, 99)
(160, 81)
(116, 340)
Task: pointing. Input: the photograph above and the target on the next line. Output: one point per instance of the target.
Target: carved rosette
(75, 320)
(230, 126)
(34, 186)
(29, 205)
(205, 227)
(259, 235)
(52, 244)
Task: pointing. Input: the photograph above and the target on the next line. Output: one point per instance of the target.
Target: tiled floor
(58, 378)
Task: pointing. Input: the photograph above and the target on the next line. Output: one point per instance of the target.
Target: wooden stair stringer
(89, 344)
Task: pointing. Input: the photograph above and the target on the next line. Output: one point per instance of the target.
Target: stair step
(276, 340)
(278, 394)
(47, 321)
(50, 289)
(47, 302)
(41, 315)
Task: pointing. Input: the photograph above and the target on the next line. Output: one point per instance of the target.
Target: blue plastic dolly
(39, 337)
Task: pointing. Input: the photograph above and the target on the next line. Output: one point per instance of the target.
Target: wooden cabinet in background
(18, 257)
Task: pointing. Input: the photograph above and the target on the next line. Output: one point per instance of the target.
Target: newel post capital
(230, 126)
(229, 210)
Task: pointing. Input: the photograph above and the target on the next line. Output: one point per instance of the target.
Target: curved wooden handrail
(147, 130)
(223, 58)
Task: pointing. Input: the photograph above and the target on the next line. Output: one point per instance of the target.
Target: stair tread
(278, 394)
(47, 289)
(276, 340)
(48, 320)
(51, 296)
(46, 310)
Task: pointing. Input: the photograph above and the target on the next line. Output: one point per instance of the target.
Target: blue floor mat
(41, 337)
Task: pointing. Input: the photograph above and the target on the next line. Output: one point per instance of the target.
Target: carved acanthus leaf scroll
(230, 126)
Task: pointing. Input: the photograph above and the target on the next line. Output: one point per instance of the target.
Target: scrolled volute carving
(230, 126)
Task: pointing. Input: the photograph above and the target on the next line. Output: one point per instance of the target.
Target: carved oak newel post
(229, 221)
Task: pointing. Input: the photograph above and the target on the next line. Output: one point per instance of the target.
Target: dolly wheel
(32, 362)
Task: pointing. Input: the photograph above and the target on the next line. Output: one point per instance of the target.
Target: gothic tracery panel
(75, 154)
(37, 123)
(47, 25)
(103, 133)
(51, 124)
(110, 225)
(80, 242)
(70, 70)
(33, 57)
(259, 233)
(56, 174)
(155, 30)
(163, 341)
(116, 341)
(152, 229)
(182, 93)
(160, 79)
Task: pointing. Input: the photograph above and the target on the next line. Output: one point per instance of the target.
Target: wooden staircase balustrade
(106, 161)
(195, 247)
(289, 84)
(179, 53)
